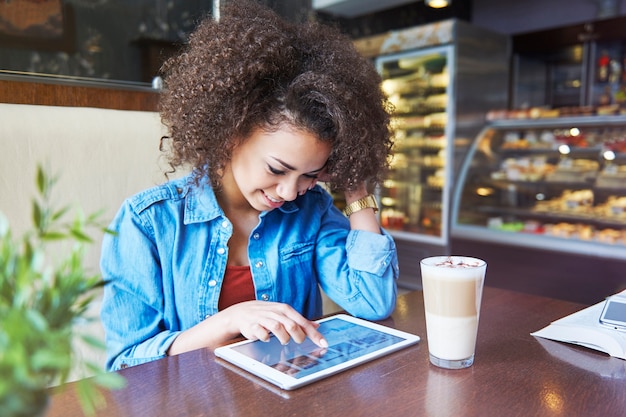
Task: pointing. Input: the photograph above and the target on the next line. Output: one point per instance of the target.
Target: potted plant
(45, 291)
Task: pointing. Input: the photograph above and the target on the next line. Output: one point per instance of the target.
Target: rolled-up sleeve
(357, 269)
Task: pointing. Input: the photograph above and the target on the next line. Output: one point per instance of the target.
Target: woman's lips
(272, 202)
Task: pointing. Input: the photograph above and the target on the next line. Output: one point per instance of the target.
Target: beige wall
(101, 156)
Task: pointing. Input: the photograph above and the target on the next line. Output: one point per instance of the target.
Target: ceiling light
(353, 8)
(438, 4)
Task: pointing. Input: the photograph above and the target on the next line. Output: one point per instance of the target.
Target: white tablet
(351, 341)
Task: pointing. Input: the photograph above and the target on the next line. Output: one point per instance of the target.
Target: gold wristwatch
(366, 202)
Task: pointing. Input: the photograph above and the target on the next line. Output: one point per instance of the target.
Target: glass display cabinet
(557, 184)
(413, 198)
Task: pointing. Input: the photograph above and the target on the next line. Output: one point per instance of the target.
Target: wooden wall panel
(28, 92)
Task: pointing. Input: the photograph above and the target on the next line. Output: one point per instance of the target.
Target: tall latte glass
(452, 287)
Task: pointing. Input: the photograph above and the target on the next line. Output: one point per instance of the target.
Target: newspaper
(583, 328)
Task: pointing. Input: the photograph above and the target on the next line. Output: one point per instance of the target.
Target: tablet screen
(346, 341)
(350, 342)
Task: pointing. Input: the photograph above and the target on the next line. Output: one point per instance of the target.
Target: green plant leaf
(58, 214)
(93, 341)
(80, 235)
(41, 180)
(110, 380)
(37, 216)
(89, 397)
(53, 235)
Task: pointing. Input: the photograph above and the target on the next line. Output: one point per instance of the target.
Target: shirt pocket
(296, 259)
(297, 253)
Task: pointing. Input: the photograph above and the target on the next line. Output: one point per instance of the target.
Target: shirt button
(221, 251)
(256, 236)
(258, 264)
(265, 297)
(212, 283)
(225, 224)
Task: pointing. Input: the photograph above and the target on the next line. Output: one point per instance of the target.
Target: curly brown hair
(250, 70)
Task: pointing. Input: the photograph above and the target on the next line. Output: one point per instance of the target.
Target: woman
(260, 110)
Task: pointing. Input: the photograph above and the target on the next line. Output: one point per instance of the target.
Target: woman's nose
(287, 189)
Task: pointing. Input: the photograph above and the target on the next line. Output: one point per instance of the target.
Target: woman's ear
(323, 176)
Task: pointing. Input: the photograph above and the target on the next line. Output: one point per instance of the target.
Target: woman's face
(272, 167)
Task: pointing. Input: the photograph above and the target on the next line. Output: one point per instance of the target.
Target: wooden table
(514, 374)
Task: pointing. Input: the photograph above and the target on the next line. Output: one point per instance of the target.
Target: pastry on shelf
(523, 169)
(578, 202)
(574, 170)
(613, 176)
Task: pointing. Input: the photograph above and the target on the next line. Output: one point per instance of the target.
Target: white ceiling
(352, 8)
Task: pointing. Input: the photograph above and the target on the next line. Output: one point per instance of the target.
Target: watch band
(369, 201)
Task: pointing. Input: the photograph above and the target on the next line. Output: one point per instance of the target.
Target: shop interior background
(125, 40)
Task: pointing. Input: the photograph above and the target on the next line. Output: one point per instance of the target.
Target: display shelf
(556, 216)
(412, 198)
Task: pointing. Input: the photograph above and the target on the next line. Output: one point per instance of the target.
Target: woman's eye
(275, 171)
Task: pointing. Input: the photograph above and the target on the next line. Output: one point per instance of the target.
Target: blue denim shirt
(165, 265)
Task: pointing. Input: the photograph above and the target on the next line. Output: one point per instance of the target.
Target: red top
(237, 287)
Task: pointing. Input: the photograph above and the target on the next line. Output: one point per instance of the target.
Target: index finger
(308, 327)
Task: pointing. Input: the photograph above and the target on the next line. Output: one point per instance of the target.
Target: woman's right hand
(255, 320)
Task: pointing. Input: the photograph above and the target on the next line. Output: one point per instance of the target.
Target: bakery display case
(556, 184)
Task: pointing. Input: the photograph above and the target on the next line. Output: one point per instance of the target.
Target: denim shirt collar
(201, 204)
